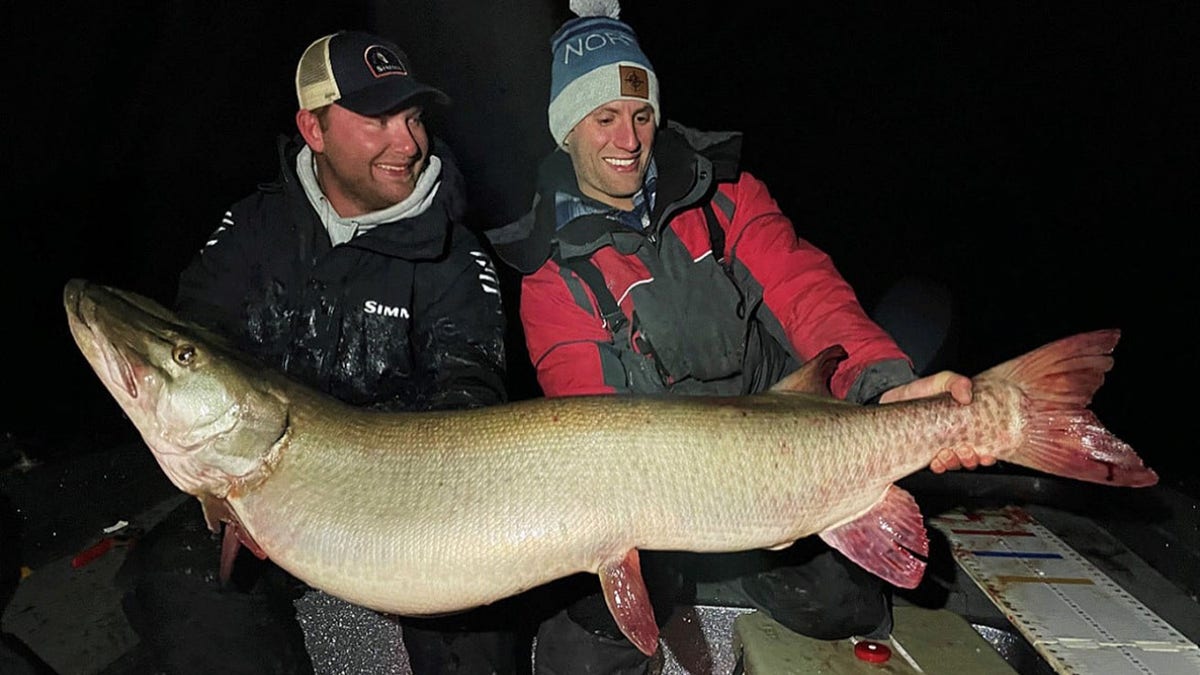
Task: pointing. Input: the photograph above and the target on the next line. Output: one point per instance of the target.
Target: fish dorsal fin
(813, 376)
(883, 539)
(628, 602)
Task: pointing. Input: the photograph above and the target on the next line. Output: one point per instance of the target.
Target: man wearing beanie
(355, 272)
(652, 263)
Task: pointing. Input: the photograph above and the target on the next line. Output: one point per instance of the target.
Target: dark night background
(1037, 159)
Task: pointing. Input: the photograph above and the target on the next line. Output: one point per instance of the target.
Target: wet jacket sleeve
(570, 347)
(458, 338)
(814, 304)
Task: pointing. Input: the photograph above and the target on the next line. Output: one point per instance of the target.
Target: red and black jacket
(717, 295)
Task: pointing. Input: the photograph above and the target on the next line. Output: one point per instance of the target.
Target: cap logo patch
(383, 61)
(635, 82)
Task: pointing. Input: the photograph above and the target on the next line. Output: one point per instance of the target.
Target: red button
(872, 652)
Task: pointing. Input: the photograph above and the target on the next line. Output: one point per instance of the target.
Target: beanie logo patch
(635, 82)
(383, 61)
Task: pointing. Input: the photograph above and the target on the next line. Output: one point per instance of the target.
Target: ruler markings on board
(1077, 617)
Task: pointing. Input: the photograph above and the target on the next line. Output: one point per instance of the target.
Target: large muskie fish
(417, 513)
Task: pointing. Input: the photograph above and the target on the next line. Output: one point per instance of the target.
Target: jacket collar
(422, 237)
(689, 164)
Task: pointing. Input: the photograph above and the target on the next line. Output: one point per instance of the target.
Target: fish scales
(429, 513)
(320, 525)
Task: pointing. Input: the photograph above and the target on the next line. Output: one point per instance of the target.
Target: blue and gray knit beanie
(597, 59)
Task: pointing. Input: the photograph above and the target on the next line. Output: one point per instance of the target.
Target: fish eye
(184, 354)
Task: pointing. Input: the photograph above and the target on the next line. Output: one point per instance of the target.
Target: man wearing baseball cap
(354, 271)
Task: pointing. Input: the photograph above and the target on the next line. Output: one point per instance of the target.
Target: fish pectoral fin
(628, 602)
(234, 538)
(884, 539)
(229, 551)
(217, 511)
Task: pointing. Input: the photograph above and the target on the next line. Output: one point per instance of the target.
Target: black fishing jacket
(405, 316)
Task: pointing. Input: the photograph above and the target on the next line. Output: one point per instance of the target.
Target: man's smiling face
(367, 163)
(610, 149)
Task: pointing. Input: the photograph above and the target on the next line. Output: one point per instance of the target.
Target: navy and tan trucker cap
(361, 72)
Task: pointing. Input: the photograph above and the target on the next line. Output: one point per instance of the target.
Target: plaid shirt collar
(569, 205)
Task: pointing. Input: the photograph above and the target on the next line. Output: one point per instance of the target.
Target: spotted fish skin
(422, 513)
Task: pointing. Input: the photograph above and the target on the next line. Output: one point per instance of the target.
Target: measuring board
(1077, 618)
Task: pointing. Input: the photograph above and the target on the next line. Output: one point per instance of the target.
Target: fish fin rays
(217, 511)
(813, 376)
(1062, 436)
(229, 551)
(883, 539)
(628, 602)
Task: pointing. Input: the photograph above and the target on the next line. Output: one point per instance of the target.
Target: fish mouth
(110, 363)
(120, 369)
(72, 299)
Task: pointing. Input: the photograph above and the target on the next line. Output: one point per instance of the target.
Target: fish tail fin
(1063, 437)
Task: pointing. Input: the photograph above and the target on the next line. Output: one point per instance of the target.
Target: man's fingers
(960, 388)
(946, 460)
(967, 457)
(953, 459)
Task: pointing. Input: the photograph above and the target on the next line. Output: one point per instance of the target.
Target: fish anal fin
(628, 602)
(813, 376)
(883, 539)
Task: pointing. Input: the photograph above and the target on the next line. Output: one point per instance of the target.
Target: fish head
(213, 418)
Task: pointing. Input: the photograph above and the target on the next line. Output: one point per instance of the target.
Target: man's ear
(310, 129)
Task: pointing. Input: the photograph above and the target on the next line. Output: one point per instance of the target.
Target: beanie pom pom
(609, 8)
